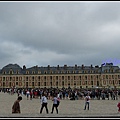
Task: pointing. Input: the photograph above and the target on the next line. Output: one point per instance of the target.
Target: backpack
(58, 102)
(87, 98)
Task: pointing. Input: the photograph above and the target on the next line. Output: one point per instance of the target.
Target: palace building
(104, 76)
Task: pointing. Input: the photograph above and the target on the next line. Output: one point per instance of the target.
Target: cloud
(58, 33)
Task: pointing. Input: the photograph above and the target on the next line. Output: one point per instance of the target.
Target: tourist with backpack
(87, 101)
(56, 102)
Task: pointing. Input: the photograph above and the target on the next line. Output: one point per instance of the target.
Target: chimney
(58, 67)
(48, 67)
(65, 66)
(24, 67)
(91, 66)
(82, 66)
(75, 66)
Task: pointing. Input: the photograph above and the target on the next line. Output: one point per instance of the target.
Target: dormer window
(45, 72)
(33, 72)
(27, 72)
(4, 72)
(17, 72)
(11, 72)
(39, 72)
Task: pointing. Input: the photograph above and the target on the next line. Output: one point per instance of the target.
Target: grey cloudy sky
(59, 33)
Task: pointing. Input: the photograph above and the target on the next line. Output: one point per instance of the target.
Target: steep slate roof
(13, 67)
(48, 69)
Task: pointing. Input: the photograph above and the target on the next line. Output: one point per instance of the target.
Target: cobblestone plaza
(67, 109)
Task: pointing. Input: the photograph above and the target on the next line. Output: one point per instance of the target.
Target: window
(118, 76)
(10, 78)
(16, 78)
(27, 72)
(3, 78)
(38, 83)
(112, 76)
(106, 76)
(97, 83)
(27, 78)
(45, 72)
(45, 77)
(16, 83)
(91, 82)
(51, 84)
(3, 84)
(62, 83)
(39, 72)
(17, 72)
(26, 84)
(32, 83)
(11, 72)
(80, 82)
(4, 72)
(44, 83)
(57, 83)
(33, 72)
(56, 77)
(38, 77)
(33, 78)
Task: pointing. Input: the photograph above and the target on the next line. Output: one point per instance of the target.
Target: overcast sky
(59, 33)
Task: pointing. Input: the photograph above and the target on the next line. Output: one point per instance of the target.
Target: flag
(103, 64)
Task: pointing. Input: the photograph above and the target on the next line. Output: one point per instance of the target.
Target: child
(118, 105)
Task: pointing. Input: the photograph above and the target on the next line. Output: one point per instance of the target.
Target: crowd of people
(67, 93)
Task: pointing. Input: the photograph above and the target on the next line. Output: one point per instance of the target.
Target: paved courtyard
(67, 109)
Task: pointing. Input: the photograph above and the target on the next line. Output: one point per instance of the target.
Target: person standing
(87, 101)
(55, 103)
(16, 105)
(28, 93)
(44, 103)
(31, 94)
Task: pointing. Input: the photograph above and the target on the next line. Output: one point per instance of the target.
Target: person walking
(44, 103)
(56, 102)
(87, 101)
(16, 105)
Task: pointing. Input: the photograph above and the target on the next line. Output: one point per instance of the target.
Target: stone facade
(104, 76)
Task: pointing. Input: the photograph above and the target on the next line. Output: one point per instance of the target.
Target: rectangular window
(16, 83)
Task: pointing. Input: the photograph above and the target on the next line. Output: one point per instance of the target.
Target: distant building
(104, 76)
